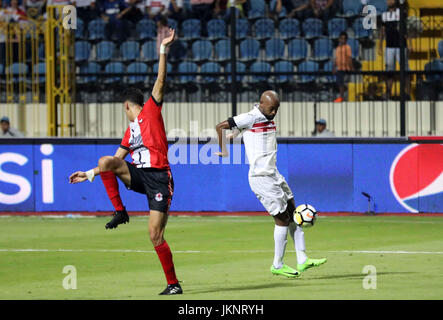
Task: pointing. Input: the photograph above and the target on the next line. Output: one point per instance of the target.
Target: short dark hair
(133, 95)
(163, 20)
(343, 33)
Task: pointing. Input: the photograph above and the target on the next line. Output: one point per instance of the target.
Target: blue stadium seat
(187, 66)
(355, 47)
(178, 51)
(283, 13)
(96, 29)
(435, 65)
(2, 69)
(114, 67)
(239, 67)
(257, 9)
(222, 50)
(172, 23)
(216, 29)
(336, 26)
(249, 50)
(201, 50)
(241, 28)
(130, 50)
(17, 69)
(260, 66)
(381, 5)
(40, 71)
(264, 29)
(80, 31)
(323, 49)
(312, 28)
(82, 51)
(284, 66)
(440, 49)
(210, 67)
(307, 66)
(328, 67)
(191, 29)
(360, 32)
(105, 50)
(149, 50)
(41, 52)
(351, 8)
(146, 29)
(275, 49)
(297, 50)
(137, 67)
(289, 28)
(90, 67)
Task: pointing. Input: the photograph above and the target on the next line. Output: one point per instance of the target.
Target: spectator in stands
(34, 8)
(202, 10)
(15, 12)
(299, 9)
(7, 131)
(3, 21)
(87, 10)
(390, 21)
(323, 9)
(320, 129)
(342, 64)
(136, 10)
(156, 8)
(176, 11)
(112, 12)
(222, 8)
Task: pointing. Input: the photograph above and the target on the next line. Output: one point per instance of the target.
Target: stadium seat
(146, 29)
(210, 67)
(260, 66)
(284, 66)
(328, 67)
(114, 67)
(360, 32)
(80, 31)
(222, 50)
(17, 69)
(191, 29)
(178, 51)
(283, 12)
(249, 50)
(201, 50)
(149, 50)
(307, 66)
(323, 50)
(240, 67)
(2, 69)
(440, 49)
(264, 29)
(172, 23)
(187, 66)
(289, 28)
(381, 5)
(297, 50)
(105, 50)
(40, 71)
(137, 67)
(351, 8)
(130, 50)
(275, 49)
(435, 65)
(90, 67)
(312, 28)
(355, 47)
(82, 51)
(96, 29)
(257, 9)
(216, 29)
(241, 28)
(41, 52)
(336, 26)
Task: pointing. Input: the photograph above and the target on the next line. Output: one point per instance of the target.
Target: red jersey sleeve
(152, 105)
(125, 141)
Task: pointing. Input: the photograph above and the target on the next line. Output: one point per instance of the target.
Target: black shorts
(156, 184)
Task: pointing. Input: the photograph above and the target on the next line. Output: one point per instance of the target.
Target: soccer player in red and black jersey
(149, 173)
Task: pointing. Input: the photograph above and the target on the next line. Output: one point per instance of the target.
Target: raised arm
(159, 86)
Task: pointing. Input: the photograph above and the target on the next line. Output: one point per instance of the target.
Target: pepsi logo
(416, 176)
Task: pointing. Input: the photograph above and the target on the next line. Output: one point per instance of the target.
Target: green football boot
(286, 271)
(309, 263)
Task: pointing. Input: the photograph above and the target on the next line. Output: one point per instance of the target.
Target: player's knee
(106, 163)
(156, 236)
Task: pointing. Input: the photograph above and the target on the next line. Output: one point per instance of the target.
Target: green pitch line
(220, 258)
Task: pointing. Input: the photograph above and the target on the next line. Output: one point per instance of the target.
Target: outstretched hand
(170, 38)
(77, 177)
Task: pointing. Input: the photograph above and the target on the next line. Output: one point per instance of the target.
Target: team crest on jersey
(159, 197)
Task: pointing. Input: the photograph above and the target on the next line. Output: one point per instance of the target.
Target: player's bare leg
(111, 168)
(156, 227)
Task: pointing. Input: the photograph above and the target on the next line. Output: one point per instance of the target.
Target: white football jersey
(259, 137)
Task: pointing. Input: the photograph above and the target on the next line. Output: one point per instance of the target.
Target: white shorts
(392, 55)
(272, 191)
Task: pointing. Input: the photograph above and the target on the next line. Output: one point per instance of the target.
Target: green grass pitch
(220, 258)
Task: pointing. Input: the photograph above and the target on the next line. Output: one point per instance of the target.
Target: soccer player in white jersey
(270, 187)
